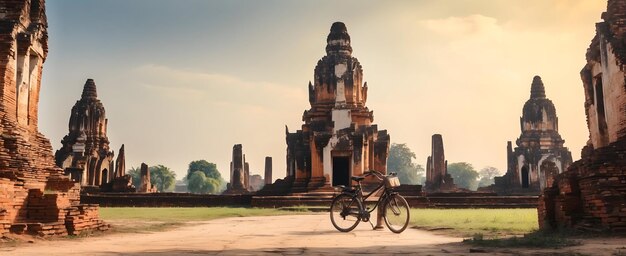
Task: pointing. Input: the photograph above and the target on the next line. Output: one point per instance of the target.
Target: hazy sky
(186, 80)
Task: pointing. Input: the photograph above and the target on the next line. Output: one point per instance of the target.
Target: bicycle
(347, 209)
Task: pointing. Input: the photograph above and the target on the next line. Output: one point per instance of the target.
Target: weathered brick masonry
(35, 197)
(591, 195)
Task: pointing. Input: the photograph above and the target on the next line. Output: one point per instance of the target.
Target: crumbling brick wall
(591, 195)
(35, 197)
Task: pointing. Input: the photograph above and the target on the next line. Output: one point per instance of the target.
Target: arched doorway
(105, 176)
(525, 177)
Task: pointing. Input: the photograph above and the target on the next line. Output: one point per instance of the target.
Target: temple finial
(89, 91)
(338, 41)
(537, 90)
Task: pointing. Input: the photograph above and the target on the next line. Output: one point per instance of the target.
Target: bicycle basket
(392, 182)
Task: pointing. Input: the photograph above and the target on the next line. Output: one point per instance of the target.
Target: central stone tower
(540, 154)
(85, 154)
(337, 139)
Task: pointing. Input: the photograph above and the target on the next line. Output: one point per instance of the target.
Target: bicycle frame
(377, 189)
(358, 195)
(353, 202)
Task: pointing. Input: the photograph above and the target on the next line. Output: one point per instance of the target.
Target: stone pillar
(246, 175)
(120, 163)
(436, 165)
(438, 159)
(268, 170)
(437, 178)
(316, 147)
(145, 179)
(237, 178)
(429, 171)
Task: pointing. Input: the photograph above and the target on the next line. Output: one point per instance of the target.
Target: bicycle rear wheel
(344, 212)
(397, 213)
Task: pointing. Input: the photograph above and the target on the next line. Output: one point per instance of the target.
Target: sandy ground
(283, 235)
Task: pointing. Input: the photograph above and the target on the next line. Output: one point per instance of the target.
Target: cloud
(186, 85)
(462, 27)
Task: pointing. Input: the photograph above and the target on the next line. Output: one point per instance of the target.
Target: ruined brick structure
(591, 194)
(27, 167)
(437, 177)
(239, 173)
(268, 170)
(85, 154)
(337, 139)
(145, 184)
(539, 155)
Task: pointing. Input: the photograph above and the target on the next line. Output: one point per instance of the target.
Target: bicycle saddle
(358, 178)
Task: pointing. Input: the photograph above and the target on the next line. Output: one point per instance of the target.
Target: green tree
(209, 169)
(135, 174)
(210, 181)
(198, 182)
(401, 161)
(464, 175)
(487, 176)
(162, 178)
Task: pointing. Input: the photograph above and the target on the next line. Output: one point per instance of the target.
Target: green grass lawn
(467, 222)
(458, 222)
(491, 227)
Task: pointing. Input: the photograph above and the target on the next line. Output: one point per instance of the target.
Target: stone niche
(337, 140)
(539, 154)
(35, 195)
(591, 194)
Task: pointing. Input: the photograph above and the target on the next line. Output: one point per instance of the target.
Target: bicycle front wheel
(344, 212)
(397, 213)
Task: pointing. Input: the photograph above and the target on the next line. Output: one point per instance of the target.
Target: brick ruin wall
(35, 196)
(591, 194)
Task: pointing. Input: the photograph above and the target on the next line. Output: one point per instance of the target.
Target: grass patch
(465, 222)
(536, 239)
(143, 219)
(304, 208)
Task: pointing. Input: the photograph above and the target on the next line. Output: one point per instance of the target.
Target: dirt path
(276, 235)
(250, 235)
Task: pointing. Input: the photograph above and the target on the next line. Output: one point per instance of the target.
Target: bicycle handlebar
(378, 175)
